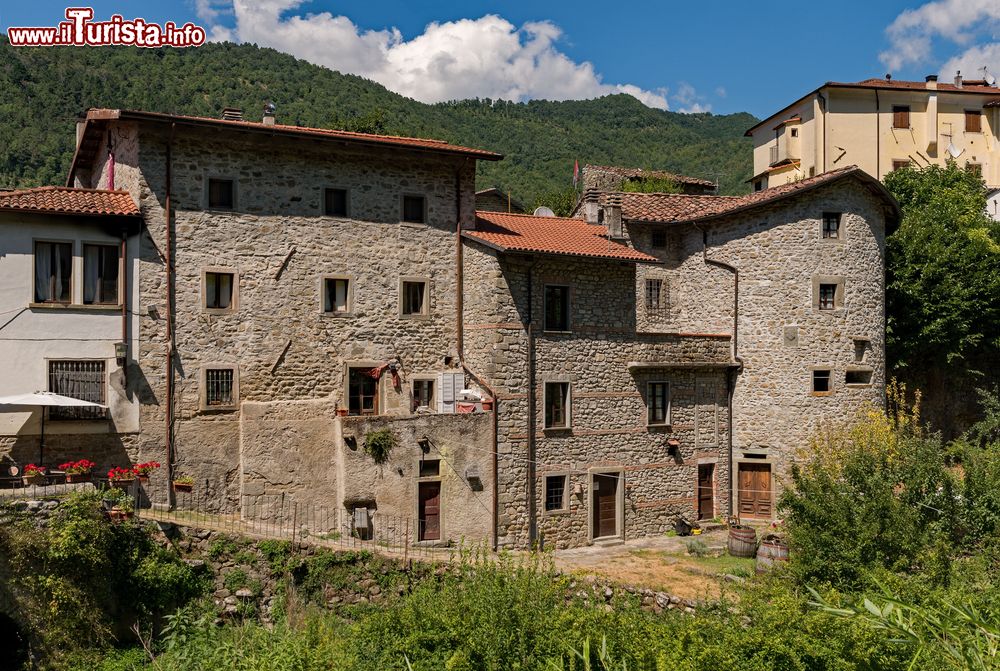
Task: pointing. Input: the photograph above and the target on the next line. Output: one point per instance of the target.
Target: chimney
(268, 119)
(613, 216)
(931, 82)
(591, 206)
(232, 114)
(958, 79)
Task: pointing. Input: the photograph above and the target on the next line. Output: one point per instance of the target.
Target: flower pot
(77, 477)
(118, 514)
(122, 484)
(35, 479)
(182, 487)
(487, 406)
(342, 412)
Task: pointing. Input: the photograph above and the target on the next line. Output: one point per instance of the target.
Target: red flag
(576, 172)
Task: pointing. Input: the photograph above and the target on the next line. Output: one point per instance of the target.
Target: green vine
(379, 444)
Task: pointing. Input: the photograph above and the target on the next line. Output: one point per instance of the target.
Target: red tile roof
(677, 208)
(66, 200)
(656, 174)
(549, 235)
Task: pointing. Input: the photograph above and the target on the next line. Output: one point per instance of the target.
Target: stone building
(496, 200)
(614, 178)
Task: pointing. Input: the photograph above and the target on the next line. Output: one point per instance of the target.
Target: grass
(723, 564)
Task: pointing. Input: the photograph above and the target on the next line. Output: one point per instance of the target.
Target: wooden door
(605, 503)
(429, 512)
(755, 490)
(706, 491)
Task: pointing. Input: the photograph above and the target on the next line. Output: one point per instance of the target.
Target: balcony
(784, 152)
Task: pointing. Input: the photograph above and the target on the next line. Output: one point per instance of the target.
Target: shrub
(379, 445)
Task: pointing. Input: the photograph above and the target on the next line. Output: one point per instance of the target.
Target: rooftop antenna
(988, 79)
(544, 212)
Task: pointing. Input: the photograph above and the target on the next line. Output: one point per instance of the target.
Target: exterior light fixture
(121, 353)
(424, 444)
(673, 446)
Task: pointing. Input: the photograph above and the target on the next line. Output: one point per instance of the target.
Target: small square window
(821, 382)
(556, 308)
(414, 298)
(53, 270)
(336, 295)
(900, 116)
(795, 132)
(556, 405)
(430, 468)
(219, 387)
(423, 394)
(335, 202)
(974, 169)
(863, 377)
(973, 121)
(659, 240)
(827, 296)
(900, 164)
(658, 404)
(831, 225)
(758, 185)
(221, 194)
(100, 274)
(414, 209)
(555, 492)
(219, 290)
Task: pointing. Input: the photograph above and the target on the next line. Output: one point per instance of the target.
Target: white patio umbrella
(41, 399)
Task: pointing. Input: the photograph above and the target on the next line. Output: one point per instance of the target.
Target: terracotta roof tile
(657, 174)
(67, 200)
(549, 235)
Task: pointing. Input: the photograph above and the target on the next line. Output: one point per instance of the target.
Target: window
(362, 393)
(795, 132)
(100, 274)
(900, 164)
(423, 394)
(414, 209)
(335, 202)
(659, 240)
(430, 468)
(336, 295)
(53, 268)
(556, 405)
(973, 121)
(413, 298)
(858, 377)
(821, 382)
(974, 169)
(219, 387)
(221, 194)
(219, 290)
(827, 296)
(900, 116)
(658, 404)
(77, 379)
(758, 185)
(556, 308)
(657, 300)
(555, 492)
(831, 225)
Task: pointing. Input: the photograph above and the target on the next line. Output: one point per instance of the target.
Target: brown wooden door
(605, 502)
(429, 495)
(706, 491)
(755, 490)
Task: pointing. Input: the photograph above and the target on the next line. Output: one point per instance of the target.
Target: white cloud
(487, 57)
(689, 100)
(961, 22)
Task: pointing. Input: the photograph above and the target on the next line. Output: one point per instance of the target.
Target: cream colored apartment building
(880, 125)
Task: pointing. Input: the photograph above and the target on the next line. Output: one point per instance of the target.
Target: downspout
(530, 332)
(124, 302)
(169, 264)
(496, 459)
(734, 371)
(459, 274)
(878, 151)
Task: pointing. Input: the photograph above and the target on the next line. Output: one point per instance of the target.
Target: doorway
(604, 501)
(755, 496)
(706, 491)
(429, 511)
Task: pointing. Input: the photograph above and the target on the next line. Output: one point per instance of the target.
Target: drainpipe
(124, 302)
(459, 273)
(495, 455)
(530, 331)
(732, 373)
(823, 106)
(169, 264)
(878, 151)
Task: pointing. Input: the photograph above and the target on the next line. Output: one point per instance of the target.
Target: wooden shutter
(973, 121)
(450, 384)
(900, 116)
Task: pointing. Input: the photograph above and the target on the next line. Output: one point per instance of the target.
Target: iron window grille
(657, 297)
(659, 239)
(555, 492)
(78, 379)
(219, 387)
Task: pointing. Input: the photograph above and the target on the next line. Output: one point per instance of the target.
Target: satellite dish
(544, 212)
(953, 150)
(990, 79)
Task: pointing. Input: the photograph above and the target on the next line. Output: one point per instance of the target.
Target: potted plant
(78, 471)
(123, 508)
(122, 478)
(34, 475)
(183, 483)
(143, 470)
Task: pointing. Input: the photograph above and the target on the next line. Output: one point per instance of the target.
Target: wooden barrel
(742, 541)
(770, 553)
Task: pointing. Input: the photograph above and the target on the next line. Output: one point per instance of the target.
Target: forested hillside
(45, 88)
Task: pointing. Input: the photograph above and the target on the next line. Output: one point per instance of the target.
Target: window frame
(649, 404)
(975, 169)
(829, 380)
(565, 493)
(901, 113)
(83, 269)
(377, 396)
(838, 229)
(978, 116)
(233, 306)
(324, 291)
(858, 369)
(838, 296)
(567, 405)
(34, 270)
(567, 297)
(55, 413)
(402, 208)
(658, 239)
(426, 309)
(323, 202)
(432, 402)
(203, 400)
(208, 193)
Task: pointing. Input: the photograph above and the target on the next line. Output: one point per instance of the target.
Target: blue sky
(713, 55)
